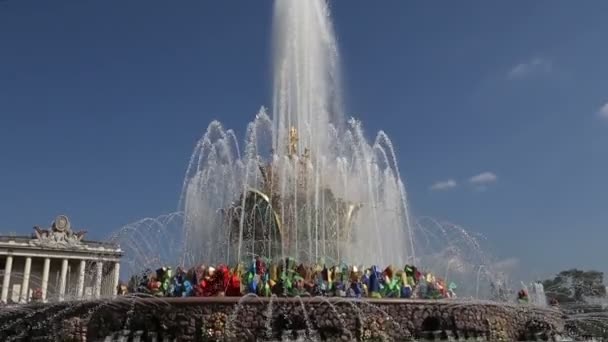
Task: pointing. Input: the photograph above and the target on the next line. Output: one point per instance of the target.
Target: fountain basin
(276, 319)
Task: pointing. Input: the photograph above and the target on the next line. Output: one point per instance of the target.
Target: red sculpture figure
(199, 273)
(442, 288)
(522, 296)
(37, 295)
(220, 281)
(154, 286)
(260, 266)
(234, 284)
(203, 288)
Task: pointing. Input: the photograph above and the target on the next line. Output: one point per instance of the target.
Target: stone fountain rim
(255, 300)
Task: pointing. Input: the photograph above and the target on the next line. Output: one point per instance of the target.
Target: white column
(45, 278)
(25, 285)
(8, 266)
(116, 278)
(98, 277)
(81, 272)
(63, 279)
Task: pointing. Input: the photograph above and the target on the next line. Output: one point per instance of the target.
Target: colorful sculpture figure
(139, 283)
(181, 285)
(266, 290)
(154, 286)
(338, 286)
(451, 292)
(522, 296)
(251, 278)
(221, 281)
(391, 283)
(286, 278)
(234, 284)
(203, 288)
(260, 266)
(355, 289)
(122, 289)
(374, 287)
(405, 289)
(37, 295)
(422, 288)
(164, 275)
(298, 288)
(177, 283)
(410, 275)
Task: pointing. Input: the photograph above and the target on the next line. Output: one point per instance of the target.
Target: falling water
(537, 294)
(306, 184)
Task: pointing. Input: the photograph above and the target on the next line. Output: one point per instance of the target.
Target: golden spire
(293, 141)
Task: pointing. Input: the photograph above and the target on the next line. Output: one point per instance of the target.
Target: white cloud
(483, 178)
(603, 112)
(444, 185)
(536, 66)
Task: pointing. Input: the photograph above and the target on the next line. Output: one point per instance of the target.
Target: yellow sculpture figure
(293, 141)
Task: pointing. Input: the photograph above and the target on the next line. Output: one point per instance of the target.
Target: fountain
(306, 185)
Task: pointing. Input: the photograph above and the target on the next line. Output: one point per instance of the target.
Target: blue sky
(101, 103)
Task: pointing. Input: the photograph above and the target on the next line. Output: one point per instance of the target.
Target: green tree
(575, 285)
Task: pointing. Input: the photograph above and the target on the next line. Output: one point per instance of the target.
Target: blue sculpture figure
(177, 285)
(253, 284)
(406, 291)
(374, 287)
(188, 289)
(365, 279)
(339, 289)
(355, 290)
(181, 286)
(253, 279)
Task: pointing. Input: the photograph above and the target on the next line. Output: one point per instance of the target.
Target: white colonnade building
(56, 264)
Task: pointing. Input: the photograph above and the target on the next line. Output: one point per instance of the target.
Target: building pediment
(59, 235)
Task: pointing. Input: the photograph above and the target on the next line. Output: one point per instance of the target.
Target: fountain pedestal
(267, 319)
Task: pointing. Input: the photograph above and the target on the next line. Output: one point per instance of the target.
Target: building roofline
(25, 238)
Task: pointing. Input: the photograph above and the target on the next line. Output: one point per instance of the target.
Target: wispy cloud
(483, 178)
(444, 185)
(603, 112)
(535, 66)
(479, 181)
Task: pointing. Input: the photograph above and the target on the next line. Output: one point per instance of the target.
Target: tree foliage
(575, 285)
